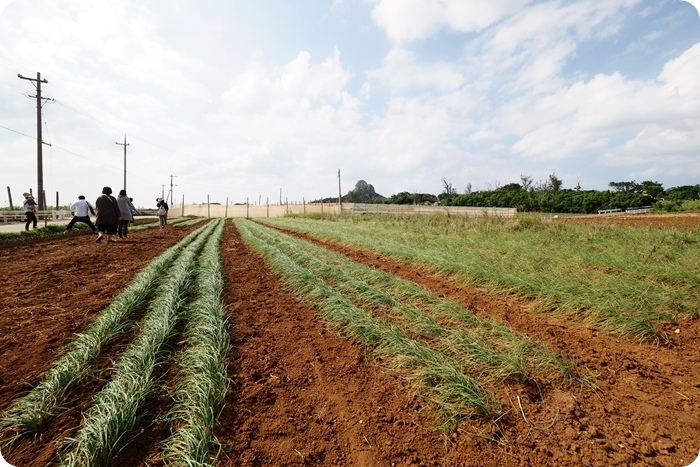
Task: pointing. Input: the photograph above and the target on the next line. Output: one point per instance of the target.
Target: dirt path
(302, 395)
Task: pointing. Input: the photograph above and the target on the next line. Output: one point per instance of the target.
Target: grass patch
(626, 280)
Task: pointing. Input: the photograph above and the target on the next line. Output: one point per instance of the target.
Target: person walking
(125, 207)
(162, 212)
(81, 210)
(108, 215)
(29, 210)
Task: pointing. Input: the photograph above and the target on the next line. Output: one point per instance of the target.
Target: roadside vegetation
(55, 230)
(453, 357)
(630, 280)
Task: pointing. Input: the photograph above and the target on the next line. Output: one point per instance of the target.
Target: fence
(638, 210)
(278, 210)
(410, 209)
(250, 210)
(635, 210)
(19, 216)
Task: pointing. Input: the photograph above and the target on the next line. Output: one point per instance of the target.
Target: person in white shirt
(80, 210)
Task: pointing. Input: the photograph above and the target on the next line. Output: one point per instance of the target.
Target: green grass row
(629, 280)
(452, 356)
(30, 413)
(166, 287)
(201, 381)
(115, 409)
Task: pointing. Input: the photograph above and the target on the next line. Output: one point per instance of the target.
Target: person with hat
(80, 210)
(29, 210)
(108, 215)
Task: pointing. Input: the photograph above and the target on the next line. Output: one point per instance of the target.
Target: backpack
(161, 210)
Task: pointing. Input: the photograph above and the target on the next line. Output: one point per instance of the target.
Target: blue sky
(241, 99)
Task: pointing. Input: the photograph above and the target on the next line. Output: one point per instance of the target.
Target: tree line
(544, 196)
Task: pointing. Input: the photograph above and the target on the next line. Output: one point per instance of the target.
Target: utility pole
(125, 145)
(172, 197)
(340, 200)
(39, 142)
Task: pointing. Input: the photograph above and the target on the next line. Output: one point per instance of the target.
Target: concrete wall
(250, 210)
(350, 208)
(276, 210)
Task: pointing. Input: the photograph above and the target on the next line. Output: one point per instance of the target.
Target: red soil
(680, 221)
(302, 395)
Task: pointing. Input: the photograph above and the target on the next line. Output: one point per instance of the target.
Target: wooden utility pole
(9, 196)
(340, 201)
(172, 198)
(39, 142)
(125, 145)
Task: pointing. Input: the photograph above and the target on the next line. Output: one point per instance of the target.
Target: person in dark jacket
(108, 215)
(29, 210)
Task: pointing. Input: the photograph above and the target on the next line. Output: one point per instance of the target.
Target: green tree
(625, 187)
(555, 183)
(652, 189)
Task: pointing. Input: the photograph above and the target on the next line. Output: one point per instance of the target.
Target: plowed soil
(301, 394)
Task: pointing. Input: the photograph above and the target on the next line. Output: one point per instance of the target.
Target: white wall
(276, 210)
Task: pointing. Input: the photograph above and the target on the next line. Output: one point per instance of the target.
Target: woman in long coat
(108, 215)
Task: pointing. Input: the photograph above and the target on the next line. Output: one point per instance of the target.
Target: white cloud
(401, 72)
(309, 99)
(475, 91)
(408, 20)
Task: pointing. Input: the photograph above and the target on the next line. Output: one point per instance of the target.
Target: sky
(270, 100)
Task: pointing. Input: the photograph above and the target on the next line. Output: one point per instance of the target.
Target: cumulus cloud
(408, 20)
(476, 91)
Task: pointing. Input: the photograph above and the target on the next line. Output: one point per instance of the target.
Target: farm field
(601, 391)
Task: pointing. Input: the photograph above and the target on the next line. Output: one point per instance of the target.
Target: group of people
(112, 218)
(112, 215)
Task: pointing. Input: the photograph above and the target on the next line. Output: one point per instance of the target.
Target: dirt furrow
(303, 395)
(647, 406)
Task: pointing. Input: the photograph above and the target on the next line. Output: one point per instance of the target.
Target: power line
(18, 132)
(7, 85)
(104, 126)
(75, 153)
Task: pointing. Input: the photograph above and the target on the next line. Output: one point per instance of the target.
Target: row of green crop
(164, 288)
(453, 356)
(619, 279)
